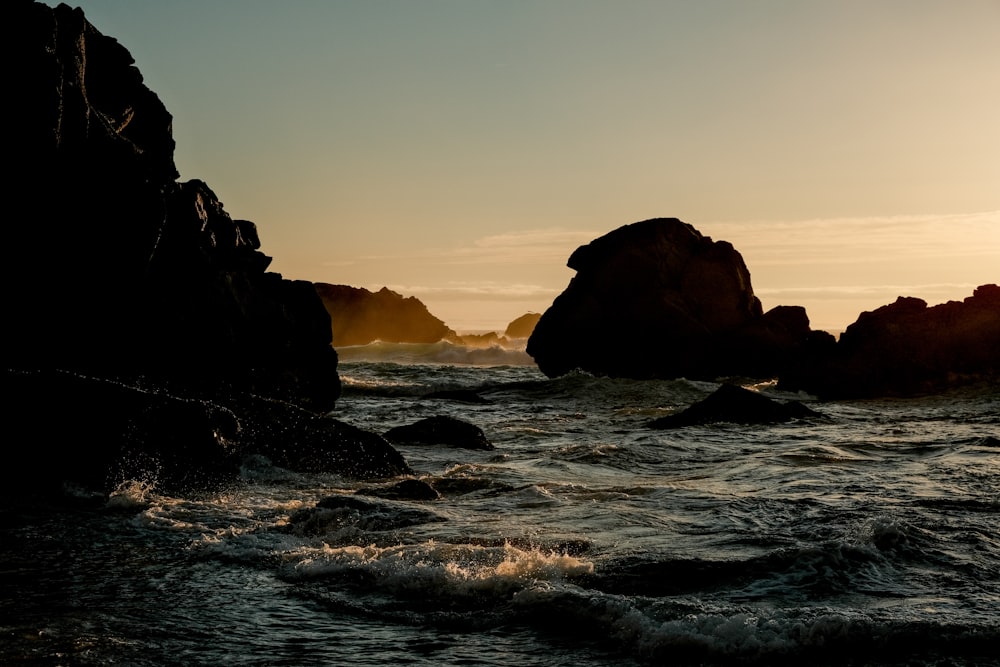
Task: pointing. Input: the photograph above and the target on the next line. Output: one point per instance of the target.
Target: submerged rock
(730, 403)
(407, 489)
(441, 430)
(658, 299)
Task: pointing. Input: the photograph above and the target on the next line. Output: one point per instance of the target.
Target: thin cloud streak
(493, 291)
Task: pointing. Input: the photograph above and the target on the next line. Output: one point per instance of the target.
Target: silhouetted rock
(108, 432)
(907, 348)
(407, 489)
(359, 316)
(658, 299)
(730, 403)
(522, 326)
(335, 513)
(441, 430)
(116, 268)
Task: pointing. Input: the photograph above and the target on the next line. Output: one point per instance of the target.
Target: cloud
(482, 290)
(932, 293)
(863, 239)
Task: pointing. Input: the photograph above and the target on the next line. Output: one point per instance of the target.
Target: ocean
(868, 537)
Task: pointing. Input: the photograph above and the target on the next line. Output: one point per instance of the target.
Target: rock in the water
(658, 299)
(730, 403)
(908, 348)
(335, 513)
(407, 489)
(441, 430)
(359, 317)
(522, 326)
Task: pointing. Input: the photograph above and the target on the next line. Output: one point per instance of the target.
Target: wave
(441, 352)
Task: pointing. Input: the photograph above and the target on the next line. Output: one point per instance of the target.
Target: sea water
(869, 537)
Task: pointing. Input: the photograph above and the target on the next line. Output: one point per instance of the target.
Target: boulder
(359, 316)
(115, 268)
(737, 405)
(908, 348)
(658, 299)
(407, 489)
(440, 430)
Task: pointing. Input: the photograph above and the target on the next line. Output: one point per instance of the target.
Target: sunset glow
(460, 151)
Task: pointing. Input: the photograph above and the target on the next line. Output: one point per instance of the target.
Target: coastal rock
(737, 405)
(440, 430)
(407, 489)
(118, 269)
(359, 316)
(908, 348)
(522, 326)
(658, 299)
(109, 432)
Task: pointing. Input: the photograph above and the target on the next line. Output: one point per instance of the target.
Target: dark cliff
(113, 267)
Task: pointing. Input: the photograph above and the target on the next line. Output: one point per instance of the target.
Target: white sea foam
(440, 569)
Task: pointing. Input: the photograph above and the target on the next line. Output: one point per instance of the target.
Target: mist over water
(583, 538)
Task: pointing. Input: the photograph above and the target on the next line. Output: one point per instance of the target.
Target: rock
(522, 326)
(359, 317)
(658, 299)
(301, 441)
(117, 269)
(109, 432)
(335, 513)
(440, 430)
(407, 489)
(908, 348)
(730, 403)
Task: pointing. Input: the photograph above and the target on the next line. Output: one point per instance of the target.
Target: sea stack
(658, 299)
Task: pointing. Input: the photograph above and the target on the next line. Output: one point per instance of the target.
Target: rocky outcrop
(114, 267)
(909, 348)
(659, 299)
(109, 432)
(737, 405)
(522, 326)
(359, 316)
(136, 309)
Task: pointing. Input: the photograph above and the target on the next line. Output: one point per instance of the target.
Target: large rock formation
(143, 336)
(115, 268)
(907, 348)
(658, 299)
(359, 316)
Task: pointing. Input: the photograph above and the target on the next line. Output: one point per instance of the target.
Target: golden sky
(460, 150)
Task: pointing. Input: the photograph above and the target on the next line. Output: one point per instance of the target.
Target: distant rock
(737, 405)
(908, 348)
(359, 316)
(522, 326)
(658, 299)
(440, 430)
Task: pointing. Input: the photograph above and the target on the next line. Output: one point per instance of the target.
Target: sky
(460, 150)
